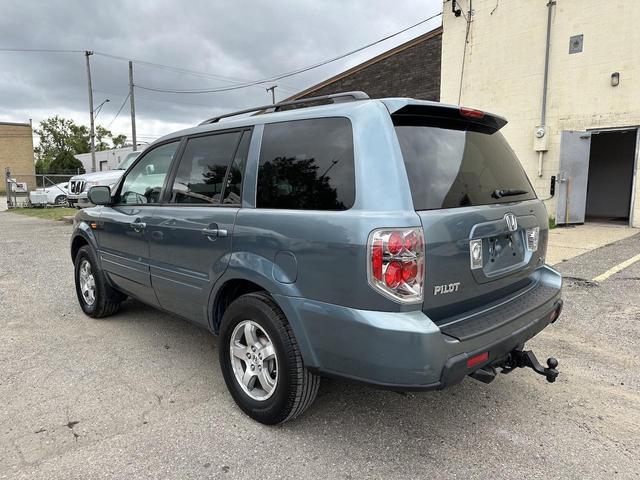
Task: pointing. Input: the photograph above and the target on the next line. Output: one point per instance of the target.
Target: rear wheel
(261, 362)
(97, 299)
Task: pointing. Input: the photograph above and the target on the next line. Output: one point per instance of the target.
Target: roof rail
(334, 98)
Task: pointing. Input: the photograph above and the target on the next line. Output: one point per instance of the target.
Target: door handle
(138, 226)
(213, 233)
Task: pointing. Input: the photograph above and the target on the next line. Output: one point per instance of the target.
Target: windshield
(457, 167)
(128, 160)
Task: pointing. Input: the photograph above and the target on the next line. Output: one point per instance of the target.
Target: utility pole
(272, 88)
(133, 107)
(92, 135)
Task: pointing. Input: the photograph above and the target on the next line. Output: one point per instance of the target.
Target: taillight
(396, 263)
(471, 112)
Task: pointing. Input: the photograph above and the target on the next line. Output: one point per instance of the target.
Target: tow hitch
(526, 358)
(518, 359)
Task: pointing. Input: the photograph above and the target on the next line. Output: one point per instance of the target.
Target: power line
(294, 72)
(178, 69)
(237, 86)
(119, 110)
(38, 50)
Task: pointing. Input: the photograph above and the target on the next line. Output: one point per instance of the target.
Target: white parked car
(80, 184)
(56, 194)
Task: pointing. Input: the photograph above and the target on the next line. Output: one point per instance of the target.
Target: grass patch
(47, 213)
(552, 223)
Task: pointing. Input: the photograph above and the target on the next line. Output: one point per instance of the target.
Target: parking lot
(140, 394)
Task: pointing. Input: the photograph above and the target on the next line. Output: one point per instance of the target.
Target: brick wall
(413, 71)
(16, 152)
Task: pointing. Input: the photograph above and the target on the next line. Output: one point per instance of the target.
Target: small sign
(18, 187)
(575, 44)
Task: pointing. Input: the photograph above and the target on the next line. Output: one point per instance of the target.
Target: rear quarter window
(458, 167)
(307, 165)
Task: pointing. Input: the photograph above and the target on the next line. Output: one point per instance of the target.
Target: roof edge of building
(361, 66)
(16, 124)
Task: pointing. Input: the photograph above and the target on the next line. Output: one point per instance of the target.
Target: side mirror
(99, 195)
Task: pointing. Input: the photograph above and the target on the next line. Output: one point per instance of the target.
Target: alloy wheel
(254, 360)
(87, 282)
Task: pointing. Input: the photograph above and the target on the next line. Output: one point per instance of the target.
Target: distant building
(106, 159)
(16, 152)
(408, 70)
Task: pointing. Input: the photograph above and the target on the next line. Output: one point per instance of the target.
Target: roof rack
(334, 98)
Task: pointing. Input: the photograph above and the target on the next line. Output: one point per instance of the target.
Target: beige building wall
(16, 152)
(504, 66)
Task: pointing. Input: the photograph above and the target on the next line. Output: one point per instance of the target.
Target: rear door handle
(138, 226)
(213, 233)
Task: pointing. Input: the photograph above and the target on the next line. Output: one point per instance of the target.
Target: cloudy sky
(219, 43)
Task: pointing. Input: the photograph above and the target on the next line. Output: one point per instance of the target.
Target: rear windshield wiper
(508, 192)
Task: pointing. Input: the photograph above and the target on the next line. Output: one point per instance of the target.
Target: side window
(143, 184)
(233, 190)
(203, 168)
(307, 165)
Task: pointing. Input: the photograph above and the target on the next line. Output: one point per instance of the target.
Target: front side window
(128, 160)
(307, 165)
(203, 169)
(143, 184)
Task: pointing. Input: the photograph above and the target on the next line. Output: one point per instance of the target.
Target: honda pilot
(393, 242)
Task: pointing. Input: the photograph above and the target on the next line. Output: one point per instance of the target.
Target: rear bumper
(406, 350)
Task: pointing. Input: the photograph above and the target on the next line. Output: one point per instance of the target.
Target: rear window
(457, 167)
(307, 165)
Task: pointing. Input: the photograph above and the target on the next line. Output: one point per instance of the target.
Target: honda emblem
(512, 222)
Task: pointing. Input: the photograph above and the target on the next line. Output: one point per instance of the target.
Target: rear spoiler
(417, 112)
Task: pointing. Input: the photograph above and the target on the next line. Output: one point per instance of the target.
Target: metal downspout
(543, 114)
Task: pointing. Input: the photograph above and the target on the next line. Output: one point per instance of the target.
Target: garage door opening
(610, 180)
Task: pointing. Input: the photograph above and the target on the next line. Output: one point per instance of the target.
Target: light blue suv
(394, 242)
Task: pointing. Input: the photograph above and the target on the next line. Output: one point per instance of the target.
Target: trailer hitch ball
(551, 373)
(522, 359)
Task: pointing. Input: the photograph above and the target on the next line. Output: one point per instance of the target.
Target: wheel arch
(226, 293)
(81, 237)
(236, 282)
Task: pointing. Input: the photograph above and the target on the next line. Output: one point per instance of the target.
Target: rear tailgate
(452, 287)
(468, 185)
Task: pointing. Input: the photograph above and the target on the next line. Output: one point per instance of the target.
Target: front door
(191, 233)
(123, 236)
(573, 177)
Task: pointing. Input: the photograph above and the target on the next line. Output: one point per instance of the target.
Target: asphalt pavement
(140, 394)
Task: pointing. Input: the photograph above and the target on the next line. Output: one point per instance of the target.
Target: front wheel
(261, 362)
(97, 299)
(61, 200)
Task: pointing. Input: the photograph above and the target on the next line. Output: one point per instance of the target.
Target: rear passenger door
(190, 235)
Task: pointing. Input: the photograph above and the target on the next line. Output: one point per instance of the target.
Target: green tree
(61, 139)
(119, 141)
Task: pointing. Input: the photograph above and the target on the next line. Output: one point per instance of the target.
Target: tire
(105, 300)
(294, 388)
(61, 200)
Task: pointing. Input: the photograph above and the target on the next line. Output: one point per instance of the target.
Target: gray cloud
(238, 40)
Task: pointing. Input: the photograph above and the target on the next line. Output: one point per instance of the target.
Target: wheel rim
(87, 283)
(254, 360)
(61, 200)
